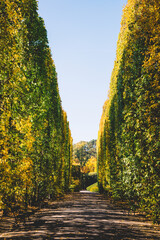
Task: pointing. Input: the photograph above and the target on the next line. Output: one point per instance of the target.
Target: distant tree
(85, 155)
(82, 151)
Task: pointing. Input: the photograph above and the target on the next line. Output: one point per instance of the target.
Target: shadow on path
(83, 215)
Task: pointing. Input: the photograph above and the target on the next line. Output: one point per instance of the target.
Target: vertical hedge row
(128, 139)
(35, 139)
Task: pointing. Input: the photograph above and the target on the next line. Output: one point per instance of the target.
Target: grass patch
(93, 188)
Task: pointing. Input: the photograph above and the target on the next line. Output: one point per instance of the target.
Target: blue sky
(82, 36)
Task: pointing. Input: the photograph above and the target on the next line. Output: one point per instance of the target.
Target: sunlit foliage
(128, 141)
(35, 139)
(84, 163)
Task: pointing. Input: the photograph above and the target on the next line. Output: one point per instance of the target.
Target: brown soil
(81, 215)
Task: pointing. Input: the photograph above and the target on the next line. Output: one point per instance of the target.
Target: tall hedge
(129, 164)
(35, 138)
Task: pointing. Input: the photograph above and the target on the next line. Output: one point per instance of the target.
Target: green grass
(93, 187)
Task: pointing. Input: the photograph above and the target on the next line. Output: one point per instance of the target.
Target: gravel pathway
(81, 215)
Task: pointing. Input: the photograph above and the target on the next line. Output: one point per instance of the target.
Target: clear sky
(82, 36)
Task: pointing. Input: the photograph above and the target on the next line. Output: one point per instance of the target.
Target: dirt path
(82, 216)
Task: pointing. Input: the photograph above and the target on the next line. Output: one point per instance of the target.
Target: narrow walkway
(83, 216)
